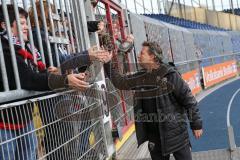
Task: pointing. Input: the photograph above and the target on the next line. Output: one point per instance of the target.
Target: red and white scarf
(27, 55)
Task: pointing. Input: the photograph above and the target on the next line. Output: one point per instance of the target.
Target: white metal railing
(65, 125)
(231, 138)
(41, 22)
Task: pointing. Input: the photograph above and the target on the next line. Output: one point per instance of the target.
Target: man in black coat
(162, 103)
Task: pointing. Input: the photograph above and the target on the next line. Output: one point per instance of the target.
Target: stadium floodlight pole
(197, 2)
(151, 6)
(159, 6)
(195, 16)
(180, 9)
(222, 4)
(237, 4)
(207, 3)
(166, 6)
(170, 8)
(126, 4)
(163, 3)
(144, 9)
(231, 5)
(213, 3)
(184, 3)
(135, 5)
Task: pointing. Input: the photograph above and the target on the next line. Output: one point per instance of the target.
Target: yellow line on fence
(128, 133)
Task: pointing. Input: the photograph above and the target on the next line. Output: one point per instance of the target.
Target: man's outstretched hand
(197, 133)
(77, 81)
(101, 55)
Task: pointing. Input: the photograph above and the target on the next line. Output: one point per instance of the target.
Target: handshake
(99, 54)
(79, 81)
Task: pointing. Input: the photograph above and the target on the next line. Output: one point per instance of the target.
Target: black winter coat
(30, 79)
(174, 103)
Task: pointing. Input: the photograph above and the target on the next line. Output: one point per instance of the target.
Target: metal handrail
(229, 107)
(20, 94)
(231, 139)
(210, 57)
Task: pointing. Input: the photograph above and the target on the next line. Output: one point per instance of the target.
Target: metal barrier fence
(121, 112)
(198, 48)
(121, 115)
(56, 29)
(65, 125)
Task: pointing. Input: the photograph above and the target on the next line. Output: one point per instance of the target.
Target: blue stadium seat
(183, 22)
(236, 11)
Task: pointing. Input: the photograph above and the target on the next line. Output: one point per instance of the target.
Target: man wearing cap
(162, 103)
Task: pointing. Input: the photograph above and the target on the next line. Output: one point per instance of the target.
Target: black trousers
(156, 154)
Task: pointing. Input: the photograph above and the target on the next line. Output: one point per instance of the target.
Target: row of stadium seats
(183, 22)
(236, 11)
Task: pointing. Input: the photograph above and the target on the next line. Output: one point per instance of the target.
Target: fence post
(12, 50)
(231, 139)
(97, 68)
